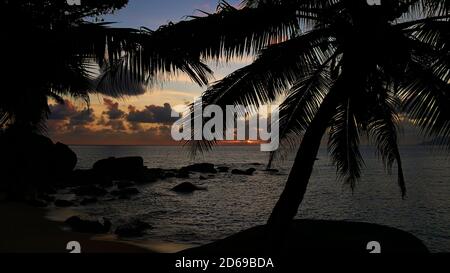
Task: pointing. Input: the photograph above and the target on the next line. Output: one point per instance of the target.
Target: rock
(187, 187)
(246, 172)
(90, 177)
(116, 193)
(182, 173)
(37, 203)
(124, 197)
(90, 190)
(46, 197)
(223, 169)
(32, 160)
(65, 159)
(236, 171)
(25, 157)
(48, 190)
(314, 237)
(3, 197)
(130, 191)
(202, 177)
(150, 175)
(171, 175)
(87, 226)
(125, 192)
(272, 170)
(64, 203)
(133, 229)
(128, 168)
(200, 168)
(88, 201)
(256, 164)
(124, 184)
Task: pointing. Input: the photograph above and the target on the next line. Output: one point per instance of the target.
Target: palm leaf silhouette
(349, 69)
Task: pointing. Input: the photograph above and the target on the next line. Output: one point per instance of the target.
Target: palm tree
(51, 50)
(345, 68)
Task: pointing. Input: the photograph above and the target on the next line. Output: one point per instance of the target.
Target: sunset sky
(139, 120)
(145, 119)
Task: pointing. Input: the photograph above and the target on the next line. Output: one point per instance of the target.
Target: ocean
(233, 203)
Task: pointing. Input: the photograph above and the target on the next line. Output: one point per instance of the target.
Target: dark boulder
(64, 159)
(128, 168)
(3, 196)
(182, 173)
(242, 172)
(64, 203)
(90, 177)
(124, 197)
(48, 190)
(88, 201)
(90, 190)
(171, 175)
(125, 192)
(200, 168)
(37, 203)
(88, 226)
(46, 197)
(187, 187)
(272, 171)
(124, 184)
(135, 228)
(29, 160)
(223, 169)
(150, 175)
(314, 237)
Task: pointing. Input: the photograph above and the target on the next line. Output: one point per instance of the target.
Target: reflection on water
(233, 203)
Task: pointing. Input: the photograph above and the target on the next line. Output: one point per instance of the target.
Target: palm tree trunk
(287, 206)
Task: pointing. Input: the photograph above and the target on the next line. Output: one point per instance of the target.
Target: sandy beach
(25, 229)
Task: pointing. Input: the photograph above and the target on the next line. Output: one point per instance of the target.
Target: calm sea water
(233, 203)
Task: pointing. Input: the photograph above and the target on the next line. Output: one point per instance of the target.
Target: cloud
(82, 117)
(113, 112)
(67, 116)
(75, 125)
(134, 126)
(151, 114)
(117, 125)
(113, 116)
(62, 111)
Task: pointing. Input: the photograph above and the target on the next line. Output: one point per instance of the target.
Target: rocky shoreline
(42, 174)
(119, 179)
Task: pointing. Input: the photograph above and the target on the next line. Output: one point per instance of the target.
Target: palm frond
(426, 100)
(311, 4)
(433, 32)
(380, 120)
(129, 61)
(300, 107)
(343, 143)
(230, 32)
(428, 7)
(273, 72)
